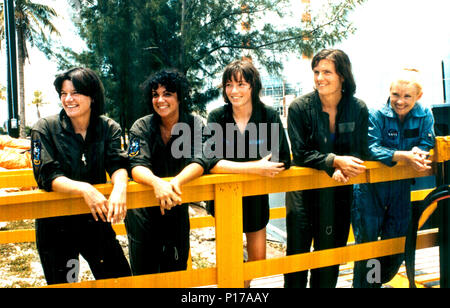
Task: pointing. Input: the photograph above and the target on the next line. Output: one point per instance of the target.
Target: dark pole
(444, 81)
(10, 26)
(443, 178)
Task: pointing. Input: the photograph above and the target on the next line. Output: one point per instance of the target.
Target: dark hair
(244, 69)
(86, 82)
(343, 68)
(174, 81)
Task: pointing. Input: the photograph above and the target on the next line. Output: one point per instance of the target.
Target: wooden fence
(227, 191)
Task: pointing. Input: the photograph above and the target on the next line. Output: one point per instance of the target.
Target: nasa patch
(134, 148)
(36, 153)
(392, 134)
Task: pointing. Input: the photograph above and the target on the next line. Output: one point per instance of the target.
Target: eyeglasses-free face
(165, 103)
(403, 97)
(75, 104)
(327, 81)
(239, 92)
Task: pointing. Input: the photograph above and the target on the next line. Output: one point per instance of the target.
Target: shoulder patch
(36, 153)
(134, 148)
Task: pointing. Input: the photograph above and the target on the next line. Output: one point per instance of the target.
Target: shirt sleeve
(300, 134)
(116, 158)
(283, 145)
(139, 152)
(362, 128)
(427, 135)
(378, 152)
(46, 167)
(211, 142)
(199, 140)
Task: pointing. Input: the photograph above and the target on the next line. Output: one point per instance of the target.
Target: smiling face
(403, 97)
(76, 105)
(326, 79)
(239, 92)
(165, 103)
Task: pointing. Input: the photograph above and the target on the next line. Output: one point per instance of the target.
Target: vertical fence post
(229, 243)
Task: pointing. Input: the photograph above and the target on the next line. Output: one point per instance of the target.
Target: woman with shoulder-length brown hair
(264, 149)
(328, 131)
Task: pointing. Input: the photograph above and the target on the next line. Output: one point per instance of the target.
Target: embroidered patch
(134, 148)
(36, 153)
(392, 134)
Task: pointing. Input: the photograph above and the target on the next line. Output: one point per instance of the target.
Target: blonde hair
(409, 76)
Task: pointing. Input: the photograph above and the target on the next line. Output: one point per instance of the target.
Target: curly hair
(174, 81)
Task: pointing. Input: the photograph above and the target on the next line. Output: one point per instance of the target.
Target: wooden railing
(227, 191)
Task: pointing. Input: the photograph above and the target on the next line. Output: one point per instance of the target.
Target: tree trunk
(181, 59)
(21, 64)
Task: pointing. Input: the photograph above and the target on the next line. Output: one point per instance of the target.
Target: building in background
(279, 93)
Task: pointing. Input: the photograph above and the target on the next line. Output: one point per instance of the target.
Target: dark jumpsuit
(58, 151)
(160, 243)
(249, 147)
(321, 214)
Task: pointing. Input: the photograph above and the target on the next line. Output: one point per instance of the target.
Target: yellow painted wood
(182, 279)
(399, 172)
(335, 256)
(229, 243)
(22, 236)
(442, 149)
(39, 204)
(202, 222)
(17, 178)
(17, 236)
(418, 195)
(227, 190)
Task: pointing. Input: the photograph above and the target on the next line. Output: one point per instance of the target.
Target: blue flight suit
(384, 209)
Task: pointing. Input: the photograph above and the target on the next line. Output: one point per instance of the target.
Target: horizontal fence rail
(227, 191)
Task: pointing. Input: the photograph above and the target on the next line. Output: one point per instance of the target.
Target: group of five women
(328, 130)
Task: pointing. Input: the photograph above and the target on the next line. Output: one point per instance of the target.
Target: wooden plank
(229, 243)
(181, 279)
(39, 204)
(335, 256)
(442, 149)
(196, 223)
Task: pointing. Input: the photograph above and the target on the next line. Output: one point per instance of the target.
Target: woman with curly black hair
(159, 238)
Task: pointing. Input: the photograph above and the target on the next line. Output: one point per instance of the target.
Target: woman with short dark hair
(71, 152)
(328, 131)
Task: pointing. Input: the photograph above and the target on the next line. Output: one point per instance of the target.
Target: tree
(32, 21)
(127, 40)
(38, 101)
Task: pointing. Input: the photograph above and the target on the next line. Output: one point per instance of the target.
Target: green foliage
(128, 40)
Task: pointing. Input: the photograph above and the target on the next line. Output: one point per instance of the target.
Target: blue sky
(390, 34)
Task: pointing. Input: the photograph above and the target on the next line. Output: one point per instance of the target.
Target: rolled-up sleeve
(199, 140)
(116, 157)
(139, 153)
(46, 167)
